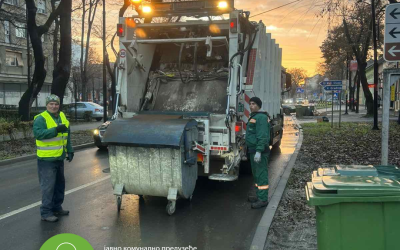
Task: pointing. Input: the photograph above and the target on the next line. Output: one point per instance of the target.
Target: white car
(83, 108)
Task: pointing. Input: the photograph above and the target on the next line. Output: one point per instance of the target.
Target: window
(41, 6)
(14, 59)
(20, 30)
(7, 31)
(12, 2)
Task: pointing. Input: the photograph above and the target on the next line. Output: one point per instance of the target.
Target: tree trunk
(39, 75)
(55, 36)
(111, 72)
(62, 70)
(369, 101)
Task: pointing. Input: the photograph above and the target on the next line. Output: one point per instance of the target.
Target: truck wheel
(98, 119)
(278, 144)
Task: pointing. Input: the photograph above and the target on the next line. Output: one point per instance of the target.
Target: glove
(61, 128)
(257, 157)
(70, 157)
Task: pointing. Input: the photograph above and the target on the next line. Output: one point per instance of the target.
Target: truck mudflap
(153, 155)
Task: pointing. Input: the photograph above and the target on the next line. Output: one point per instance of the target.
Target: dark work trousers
(52, 185)
(260, 174)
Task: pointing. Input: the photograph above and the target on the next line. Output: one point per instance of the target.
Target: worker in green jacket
(257, 141)
(52, 132)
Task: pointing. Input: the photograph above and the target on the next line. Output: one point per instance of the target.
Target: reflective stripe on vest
(53, 147)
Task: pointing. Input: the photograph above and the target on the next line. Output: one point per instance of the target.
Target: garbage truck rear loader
(186, 73)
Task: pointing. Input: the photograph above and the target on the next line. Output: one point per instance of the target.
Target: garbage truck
(186, 71)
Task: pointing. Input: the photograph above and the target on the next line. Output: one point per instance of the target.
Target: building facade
(382, 64)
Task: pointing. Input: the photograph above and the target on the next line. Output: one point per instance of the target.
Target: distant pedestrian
(257, 141)
(52, 132)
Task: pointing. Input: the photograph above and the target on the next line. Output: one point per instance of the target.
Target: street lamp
(375, 67)
(104, 65)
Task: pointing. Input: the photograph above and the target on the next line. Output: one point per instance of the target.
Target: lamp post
(375, 67)
(104, 64)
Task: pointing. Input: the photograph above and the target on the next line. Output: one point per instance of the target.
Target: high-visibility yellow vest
(53, 147)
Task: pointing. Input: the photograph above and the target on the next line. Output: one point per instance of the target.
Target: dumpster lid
(356, 186)
(348, 170)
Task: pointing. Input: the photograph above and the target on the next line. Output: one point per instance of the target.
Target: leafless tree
(61, 72)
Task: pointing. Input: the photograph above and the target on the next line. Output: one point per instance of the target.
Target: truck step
(223, 177)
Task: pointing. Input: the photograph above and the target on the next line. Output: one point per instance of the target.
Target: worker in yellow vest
(52, 132)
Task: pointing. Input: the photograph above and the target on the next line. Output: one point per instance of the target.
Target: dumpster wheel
(119, 202)
(171, 206)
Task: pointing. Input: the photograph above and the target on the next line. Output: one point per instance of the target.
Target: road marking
(4, 216)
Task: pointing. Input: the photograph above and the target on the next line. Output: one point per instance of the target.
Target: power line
(276, 8)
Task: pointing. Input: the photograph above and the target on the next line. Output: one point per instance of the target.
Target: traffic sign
(122, 53)
(299, 90)
(330, 83)
(335, 95)
(333, 88)
(392, 33)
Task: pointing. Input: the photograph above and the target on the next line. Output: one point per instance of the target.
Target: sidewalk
(74, 127)
(350, 117)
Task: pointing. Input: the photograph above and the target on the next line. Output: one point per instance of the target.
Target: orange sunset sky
(296, 27)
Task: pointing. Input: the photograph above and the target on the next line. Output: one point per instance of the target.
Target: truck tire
(278, 143)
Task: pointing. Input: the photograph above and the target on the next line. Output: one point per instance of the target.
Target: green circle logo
(66, 242)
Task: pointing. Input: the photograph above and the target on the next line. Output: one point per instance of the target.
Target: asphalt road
(218, 217)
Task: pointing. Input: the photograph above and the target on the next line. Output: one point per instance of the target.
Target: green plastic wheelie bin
(356, 208)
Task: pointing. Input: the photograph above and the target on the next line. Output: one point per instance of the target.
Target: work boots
(259, 204)
(50, 219)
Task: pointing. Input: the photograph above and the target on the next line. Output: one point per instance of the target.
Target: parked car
(98, 135)
(348, 102)
(288, 101)
(287, 109)
(83, 109)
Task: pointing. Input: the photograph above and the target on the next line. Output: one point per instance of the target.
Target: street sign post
(392, 33)
(333, 88)
(331, 83)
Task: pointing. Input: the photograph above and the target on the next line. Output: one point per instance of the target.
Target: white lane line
(4, 216)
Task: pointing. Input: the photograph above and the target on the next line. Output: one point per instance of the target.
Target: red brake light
(97, 110)
(238, 127)
(233, 25)
(120, 30)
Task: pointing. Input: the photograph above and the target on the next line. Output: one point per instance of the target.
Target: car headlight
(96, 132)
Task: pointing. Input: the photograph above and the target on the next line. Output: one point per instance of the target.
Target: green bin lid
(348, 170)
(325, 190)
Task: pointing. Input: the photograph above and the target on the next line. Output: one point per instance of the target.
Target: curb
(260, 236)
(33, 156)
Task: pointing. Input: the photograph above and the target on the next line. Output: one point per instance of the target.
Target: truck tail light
(238, 127)
(200, 157)
(233, 25)
(120, 30)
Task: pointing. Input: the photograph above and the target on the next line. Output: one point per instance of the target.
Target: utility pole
(104, 64)
(358, 93)
(347, 76)
(375, 67)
